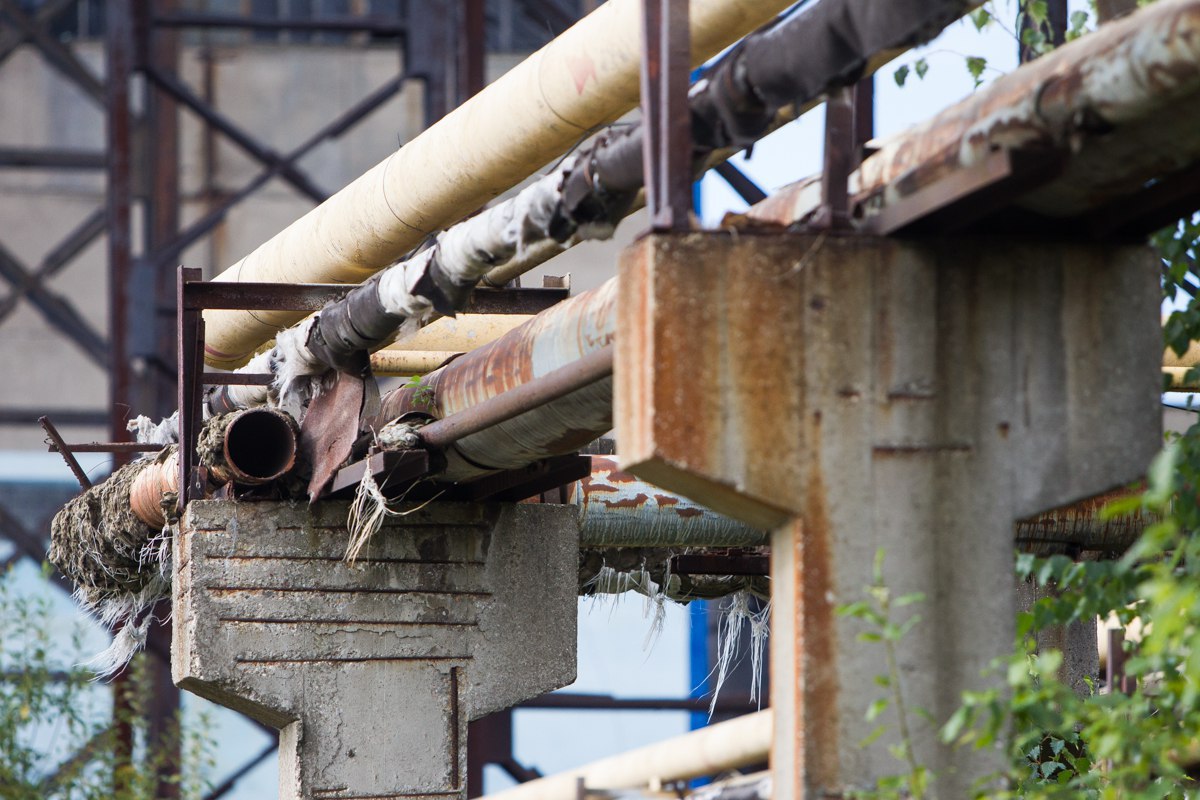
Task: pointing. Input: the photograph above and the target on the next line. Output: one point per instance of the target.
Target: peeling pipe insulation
(584, 79)
(788, 65)
(113, 541)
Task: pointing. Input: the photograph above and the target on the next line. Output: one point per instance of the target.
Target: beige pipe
(406, 363)
(462, 333)
(442, 340)
(740, 742)
(585, 78)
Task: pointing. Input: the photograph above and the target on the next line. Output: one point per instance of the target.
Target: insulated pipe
(739, 742)
(759, 84)
(564, 334)
(442, 340)
(585, 78)
(1122, 101)
(617, 509)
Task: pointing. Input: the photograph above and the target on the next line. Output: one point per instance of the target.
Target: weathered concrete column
(1076, 641)
(372, 670)
(860, 395)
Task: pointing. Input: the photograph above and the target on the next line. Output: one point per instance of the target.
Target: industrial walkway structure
(913, 352)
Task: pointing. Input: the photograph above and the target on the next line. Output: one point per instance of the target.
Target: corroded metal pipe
(146, 494)
(556, 338)
(585, 78)
(248, 448)
(1120, 107)
(259, 446)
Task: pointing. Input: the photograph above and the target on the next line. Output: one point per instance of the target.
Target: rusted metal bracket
(392, 470)
(849, 125)
(667, 145)
(315, 296)
(966, 196)
(518, 484)
(67, 454)
(757, 564)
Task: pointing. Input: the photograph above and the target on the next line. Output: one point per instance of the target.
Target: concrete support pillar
(1076, 641)
(371, 671)
(861, 395)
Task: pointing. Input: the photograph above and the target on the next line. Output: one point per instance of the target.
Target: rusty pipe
(146, 493)
(249, 448)
(258, 445)
(502, 407)
(583, 79)
(559, 336)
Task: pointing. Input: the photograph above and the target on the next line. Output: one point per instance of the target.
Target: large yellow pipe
(585, 78)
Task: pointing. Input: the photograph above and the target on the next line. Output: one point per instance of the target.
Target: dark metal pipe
(526, 397)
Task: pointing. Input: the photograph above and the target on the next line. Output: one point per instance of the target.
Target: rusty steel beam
(29, 158)
(1120, 104)
(57, 54)
(1081, 529)
(54, 308)
(274, 23)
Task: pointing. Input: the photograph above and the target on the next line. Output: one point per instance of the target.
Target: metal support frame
(667, 146)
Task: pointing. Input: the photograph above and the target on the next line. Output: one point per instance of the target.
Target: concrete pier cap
(859, 395)
(372, 670)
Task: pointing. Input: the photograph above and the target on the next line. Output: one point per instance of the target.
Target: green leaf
(922, 68)
(976, 65)
(981, 18)
(901, 74)
(876, 708)
(874, 735)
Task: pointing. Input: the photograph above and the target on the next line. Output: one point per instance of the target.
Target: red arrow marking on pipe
(581, 68)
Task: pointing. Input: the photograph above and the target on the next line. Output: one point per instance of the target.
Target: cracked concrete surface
(371, 671)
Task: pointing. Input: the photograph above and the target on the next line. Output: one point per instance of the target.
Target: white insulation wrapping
(585, 78)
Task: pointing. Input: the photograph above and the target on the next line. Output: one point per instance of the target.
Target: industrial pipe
(1139, 75)
(257, 446)
(617, 509)
(1117, 107)
(146, 493)
(585, 78)
(756, 86)
(538, 392)
(737, 743)
(249, 448)
(560, 336)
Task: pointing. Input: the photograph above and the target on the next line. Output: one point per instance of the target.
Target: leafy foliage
(58, 736)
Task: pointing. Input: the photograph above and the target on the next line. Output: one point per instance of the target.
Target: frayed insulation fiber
(99, 544)
(585, 78)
